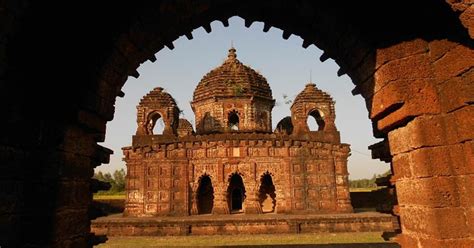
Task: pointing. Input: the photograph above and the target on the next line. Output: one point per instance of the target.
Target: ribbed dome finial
(232, 54)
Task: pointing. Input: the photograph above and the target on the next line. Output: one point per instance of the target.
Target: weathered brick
(437, 48)
(413, 67)
(401, 166)
(457, 92)
(441, 223)
(466, 189)
(418, 97)
(422, 131)
(430, 192)
(449, 65)
(400, 50)
(440, 161)
(467, 19)
(443, 243)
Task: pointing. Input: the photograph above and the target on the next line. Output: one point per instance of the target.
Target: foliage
(238, 90)
(287, 100)
(367, 183)
(116, 180)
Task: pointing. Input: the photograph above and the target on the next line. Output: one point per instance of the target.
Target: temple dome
(312, 94)
(232, 79)
(158, 97)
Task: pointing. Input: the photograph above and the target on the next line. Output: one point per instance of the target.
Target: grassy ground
(233, 240)
(108, 196)
(363, 189)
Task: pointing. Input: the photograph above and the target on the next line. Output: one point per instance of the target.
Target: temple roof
(232, 79)
(158, 97)
(312, 94)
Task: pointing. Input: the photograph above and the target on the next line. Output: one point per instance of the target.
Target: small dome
(158, 98)
(312, 94)
(232, 79)
(184, 128)
(284, 126)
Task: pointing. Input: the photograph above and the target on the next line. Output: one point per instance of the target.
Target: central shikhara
(234, 162)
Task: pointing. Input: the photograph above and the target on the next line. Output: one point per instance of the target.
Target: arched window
(263, 120)
(317, 122)
(266, 193)
(233, 121)
(235, 193)
(155, 124)
(205, 195)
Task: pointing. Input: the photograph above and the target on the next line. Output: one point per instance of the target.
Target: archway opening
(205, 195)
(317, 122)
(236, 193)
(155, 124)
(266, 193)
(233, 121)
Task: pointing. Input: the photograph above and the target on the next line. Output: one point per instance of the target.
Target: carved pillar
(220, 200)
(251, 204)
(194, 195)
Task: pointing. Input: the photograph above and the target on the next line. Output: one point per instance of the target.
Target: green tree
(116, 180)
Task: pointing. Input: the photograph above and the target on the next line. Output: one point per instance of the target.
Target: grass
(363, 189)
(109, 196)
(258, 239)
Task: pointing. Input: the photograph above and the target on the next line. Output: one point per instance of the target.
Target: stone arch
(267, 193)
(284, 126)
(152, 120)
(318, 117)
(401, 105)
(236, 192)
(205, 194)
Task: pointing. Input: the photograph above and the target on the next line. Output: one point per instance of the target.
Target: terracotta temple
(234, 162)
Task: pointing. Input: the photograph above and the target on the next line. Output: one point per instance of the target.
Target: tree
(117, 181)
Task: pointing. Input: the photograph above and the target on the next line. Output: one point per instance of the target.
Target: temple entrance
(266, 193)
(237, 199)
(236, 193)
(205, 195)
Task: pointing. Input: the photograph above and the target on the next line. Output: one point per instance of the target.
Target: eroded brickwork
(234, 152)
(55, 111)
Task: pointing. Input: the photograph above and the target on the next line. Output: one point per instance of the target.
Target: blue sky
(284, 63)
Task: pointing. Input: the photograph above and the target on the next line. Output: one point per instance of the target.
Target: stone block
(466, 189)
(412, 67)
(401, 166)
(437, 48)
(430, 192)
(442, 223)
(422, 131)
(456, 92)
(413, 97)
(400, 50)
(446, 243)
(449, 65)
(440, 161)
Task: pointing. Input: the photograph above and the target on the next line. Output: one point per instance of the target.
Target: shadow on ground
(359, 245)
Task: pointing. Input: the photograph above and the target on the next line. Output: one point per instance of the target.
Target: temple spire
(232, 54)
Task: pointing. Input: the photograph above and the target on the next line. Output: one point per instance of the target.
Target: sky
(285, 64)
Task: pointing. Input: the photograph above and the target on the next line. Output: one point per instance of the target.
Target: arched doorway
(205, 195)
(266, 193)
(440, 28)
(235, 193)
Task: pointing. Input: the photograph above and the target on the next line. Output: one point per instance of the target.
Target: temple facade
(233, 161)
